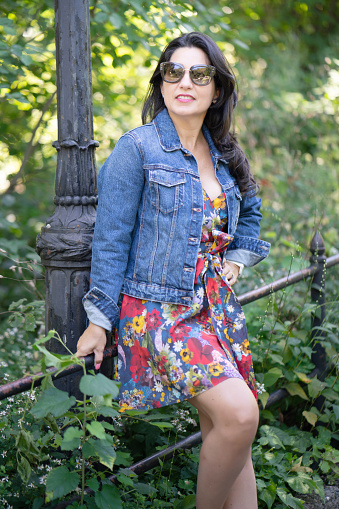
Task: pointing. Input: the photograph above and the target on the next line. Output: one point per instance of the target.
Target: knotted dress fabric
(168, 353)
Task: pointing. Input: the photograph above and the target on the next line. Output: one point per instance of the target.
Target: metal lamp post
(65, 242)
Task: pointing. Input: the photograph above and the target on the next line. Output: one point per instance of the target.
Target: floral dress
(168, 353)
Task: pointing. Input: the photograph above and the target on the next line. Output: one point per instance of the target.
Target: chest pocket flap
(167, 189)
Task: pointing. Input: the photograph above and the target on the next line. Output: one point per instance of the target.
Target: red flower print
(131, 306)
(198, 269)
(217, 380)
(202, 353)
(179, 332)
(177, 311)
(160, 363)
(139, 360)
(156, 404)
(213, 291)
(153, 320)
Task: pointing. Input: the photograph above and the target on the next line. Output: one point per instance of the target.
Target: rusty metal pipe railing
(31, 381)
(279, 284)
(26, 383)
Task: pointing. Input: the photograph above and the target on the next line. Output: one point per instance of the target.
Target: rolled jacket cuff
(248, 251)
(105, 305)
(96, 316)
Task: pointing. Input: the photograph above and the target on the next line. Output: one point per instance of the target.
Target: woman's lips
(183, 98)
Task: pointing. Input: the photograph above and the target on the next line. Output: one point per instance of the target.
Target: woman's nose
(186, 81)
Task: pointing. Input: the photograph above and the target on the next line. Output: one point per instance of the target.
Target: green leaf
(161, 424)
(263, 397)
(294, 389)
(108, 412)
(24, 469)
(108, 498)
(100, 449)
(268, 495)
(301, 483)
(71, 439)
(30, 322)
(98, 385)
(25, 443)
(189, 502)
(271, 376)
(288, 499)
(315, 387)
(96, 429)
(53, 401)
(311, 417)
(93, 484)
(61, 481)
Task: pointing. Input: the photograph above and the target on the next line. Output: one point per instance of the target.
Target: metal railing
(317, 270)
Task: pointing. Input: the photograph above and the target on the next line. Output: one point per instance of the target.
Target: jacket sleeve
(120, 187)
(246, 246)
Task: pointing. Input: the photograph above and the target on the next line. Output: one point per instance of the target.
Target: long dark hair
(220, 114)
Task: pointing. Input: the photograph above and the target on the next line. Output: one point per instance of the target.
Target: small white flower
(260, 388)
(230, 309)
(42, 480)
(178, 346)
(158, 386)
(4, 453)
(200, 292)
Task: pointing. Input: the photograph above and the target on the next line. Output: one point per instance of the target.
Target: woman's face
(186, 100)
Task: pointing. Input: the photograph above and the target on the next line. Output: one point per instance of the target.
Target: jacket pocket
(167, 189)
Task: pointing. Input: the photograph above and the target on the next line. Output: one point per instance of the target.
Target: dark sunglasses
(200, 74)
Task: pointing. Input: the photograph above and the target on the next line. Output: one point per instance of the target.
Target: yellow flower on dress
(138, 323)
(186, 354)
(219, 203)
(216, 369)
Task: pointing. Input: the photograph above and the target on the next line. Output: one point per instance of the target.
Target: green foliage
(285, 59)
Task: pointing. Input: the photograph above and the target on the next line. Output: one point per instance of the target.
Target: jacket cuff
(247, 250)
(104, 304)
(96, 316)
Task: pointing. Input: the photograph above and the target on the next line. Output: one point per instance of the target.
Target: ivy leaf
(60, 481)
(98, 385)
(53, 401)
(315, 387)
(271, 376)
(294, 389)
(311, 417)
(268, 495)
(108, 498)
(301, 483)
(71, 439)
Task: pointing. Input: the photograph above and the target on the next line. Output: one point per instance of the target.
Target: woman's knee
(240, 413)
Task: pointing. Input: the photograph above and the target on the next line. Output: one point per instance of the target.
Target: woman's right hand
(93, 340)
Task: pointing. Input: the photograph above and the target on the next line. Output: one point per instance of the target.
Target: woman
(177, 219)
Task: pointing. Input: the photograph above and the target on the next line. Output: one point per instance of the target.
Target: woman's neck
(189, 132)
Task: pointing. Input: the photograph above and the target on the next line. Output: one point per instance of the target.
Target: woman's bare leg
(229, 422)
(243, 494)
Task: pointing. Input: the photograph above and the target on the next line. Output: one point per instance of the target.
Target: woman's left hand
(230, 271)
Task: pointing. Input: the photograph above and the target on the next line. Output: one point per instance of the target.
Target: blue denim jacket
(149, 220)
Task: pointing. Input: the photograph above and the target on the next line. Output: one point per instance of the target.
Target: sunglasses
(200, 74)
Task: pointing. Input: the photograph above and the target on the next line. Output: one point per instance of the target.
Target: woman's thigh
(229, 403)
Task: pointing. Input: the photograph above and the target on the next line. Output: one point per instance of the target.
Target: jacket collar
(169, 139)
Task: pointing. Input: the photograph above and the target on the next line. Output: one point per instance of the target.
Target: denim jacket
(149, 220)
